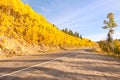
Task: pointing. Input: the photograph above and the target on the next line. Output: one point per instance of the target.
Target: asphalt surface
(80, 64)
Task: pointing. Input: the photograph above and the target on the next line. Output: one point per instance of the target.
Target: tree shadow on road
(86, 62)
(56, 75)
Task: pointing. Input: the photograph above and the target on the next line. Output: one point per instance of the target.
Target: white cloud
(44, 9)
(116, 35)
(102, 36)
(97, 37)
(62, 19)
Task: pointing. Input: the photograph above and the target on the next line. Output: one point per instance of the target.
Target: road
(80, 64)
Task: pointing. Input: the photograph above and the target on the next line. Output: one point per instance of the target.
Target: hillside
(23, 31)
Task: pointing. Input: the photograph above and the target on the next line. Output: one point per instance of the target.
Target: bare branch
(105, 27)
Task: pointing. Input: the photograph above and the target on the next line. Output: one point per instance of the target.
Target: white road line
(35, 65)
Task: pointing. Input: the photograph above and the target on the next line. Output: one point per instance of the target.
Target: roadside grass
(101, 52)
(114, 55)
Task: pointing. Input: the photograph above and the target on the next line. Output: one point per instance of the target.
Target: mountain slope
(22, 26)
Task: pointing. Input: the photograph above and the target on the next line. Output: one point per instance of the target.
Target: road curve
(79, 64)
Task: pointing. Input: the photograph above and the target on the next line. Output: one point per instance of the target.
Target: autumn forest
(21, 29)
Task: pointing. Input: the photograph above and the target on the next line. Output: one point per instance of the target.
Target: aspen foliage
(20, 21)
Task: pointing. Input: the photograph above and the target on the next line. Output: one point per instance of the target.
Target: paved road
(66, 65)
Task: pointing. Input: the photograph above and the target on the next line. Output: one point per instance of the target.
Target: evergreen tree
(66, 30)
(76, 34)
(71, 32)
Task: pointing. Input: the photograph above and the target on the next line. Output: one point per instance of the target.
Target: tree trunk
(112, 43)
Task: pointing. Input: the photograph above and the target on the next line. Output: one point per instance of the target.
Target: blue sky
(83, 16)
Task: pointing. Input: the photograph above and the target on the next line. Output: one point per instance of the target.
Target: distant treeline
(70, 32)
